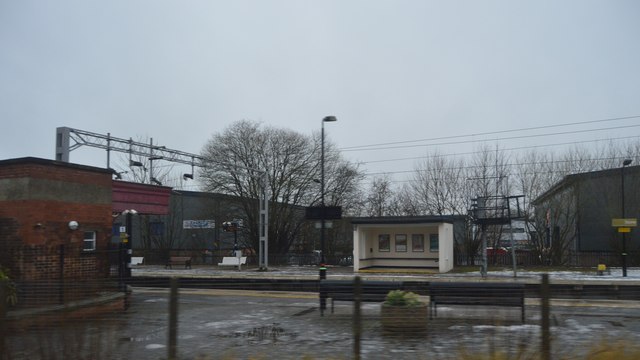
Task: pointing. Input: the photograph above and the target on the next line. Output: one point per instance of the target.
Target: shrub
(402, 298)
(12, 297)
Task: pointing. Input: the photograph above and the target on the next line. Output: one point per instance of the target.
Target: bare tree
(342, 182)
(161, 233)
(291, 163)
(140, 169)
(379, 197)
(404, 203)
(555, 223)
(487, 180)
(532, 176)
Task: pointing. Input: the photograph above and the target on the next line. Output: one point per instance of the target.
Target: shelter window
(384, 243)
(401, 242)
(417, 242)
(434, 242)
(89, 241)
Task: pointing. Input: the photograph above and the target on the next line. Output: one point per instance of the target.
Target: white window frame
(90, 241)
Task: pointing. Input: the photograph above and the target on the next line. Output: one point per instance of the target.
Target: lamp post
(625, 163)
(323, 268)
(126, 243)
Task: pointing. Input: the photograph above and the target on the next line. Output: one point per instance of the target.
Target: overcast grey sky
(390, 71)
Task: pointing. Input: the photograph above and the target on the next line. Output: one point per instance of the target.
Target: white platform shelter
(423, 242)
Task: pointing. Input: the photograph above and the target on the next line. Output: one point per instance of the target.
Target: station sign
(629, 222)
(324, 212)
(198, 224)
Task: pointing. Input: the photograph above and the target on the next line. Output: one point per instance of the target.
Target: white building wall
(366, 252)
(356, 247)
(445, 233)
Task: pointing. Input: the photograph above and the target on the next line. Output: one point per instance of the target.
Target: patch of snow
(508, 328)
(156, 300)
(577, 327)
(226, 324)
(633, 274)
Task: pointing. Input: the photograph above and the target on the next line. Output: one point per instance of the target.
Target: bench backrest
(180, 258)
(498, 292)
(377, 289)
(232, 260)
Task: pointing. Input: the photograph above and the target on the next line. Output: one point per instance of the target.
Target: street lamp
(128, 245)
(323, 268)
(625, 163)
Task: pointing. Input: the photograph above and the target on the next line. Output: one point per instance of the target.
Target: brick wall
(57, 274)
(42, 262)
(54, 170)
(38, 199)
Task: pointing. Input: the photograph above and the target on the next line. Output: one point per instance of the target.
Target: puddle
(272, 333)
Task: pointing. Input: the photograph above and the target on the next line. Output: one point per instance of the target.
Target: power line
(496, 139)
(465, 167)
(506, 149)
(362, 147)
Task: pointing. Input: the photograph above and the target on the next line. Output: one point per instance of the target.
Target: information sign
(198, 224)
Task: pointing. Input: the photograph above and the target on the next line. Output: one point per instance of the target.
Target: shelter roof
(399, 220)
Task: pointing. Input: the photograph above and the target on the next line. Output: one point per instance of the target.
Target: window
(401, 243)
(417, 242)
(433, 242)
(156, 228)
(384, 243)
(89, 241)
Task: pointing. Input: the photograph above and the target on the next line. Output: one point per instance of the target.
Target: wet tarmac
(234, 324)
(346, 272)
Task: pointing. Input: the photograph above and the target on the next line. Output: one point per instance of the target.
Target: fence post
(545, 294)
(173, 319)
(61, 283)
(3, 316)
(357, 318)
(323, 298)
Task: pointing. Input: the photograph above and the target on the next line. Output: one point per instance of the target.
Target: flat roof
(396, 220)
(47, 162)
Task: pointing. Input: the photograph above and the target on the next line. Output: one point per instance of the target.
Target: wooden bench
(343, 290)
(475, 293)
(233, 261)
(137, 260)
(186, 260)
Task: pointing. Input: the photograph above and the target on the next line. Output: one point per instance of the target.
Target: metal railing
(182, 322)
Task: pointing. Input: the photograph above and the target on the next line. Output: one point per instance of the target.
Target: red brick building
(55, 219)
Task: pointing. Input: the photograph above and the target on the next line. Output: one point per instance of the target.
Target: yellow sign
(602, 267)
(632, 222)
(624, 229)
